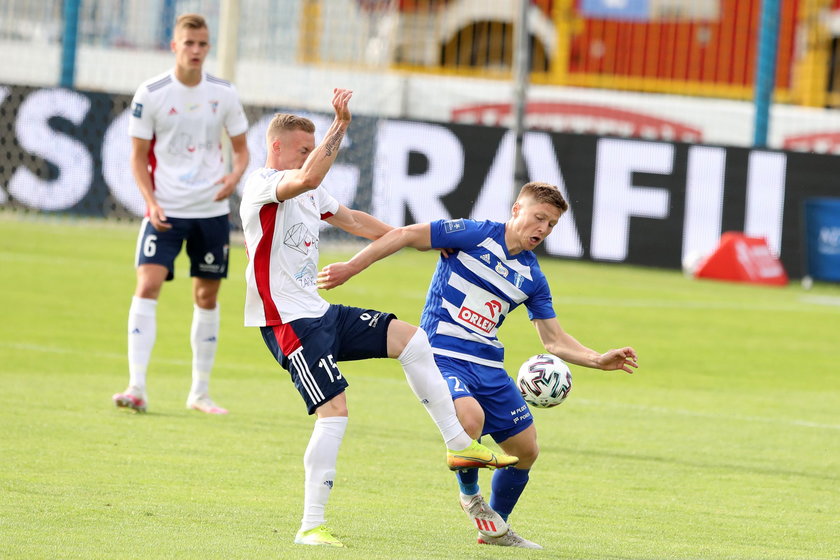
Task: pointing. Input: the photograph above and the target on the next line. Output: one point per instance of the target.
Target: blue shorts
(505, 411)
(309, 348)
(208, 245)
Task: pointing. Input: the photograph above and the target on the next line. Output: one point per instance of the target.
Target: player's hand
(334, 275)
(624, 359)
(446, 251)
(158, 219)
(341, 104)
(228, 183)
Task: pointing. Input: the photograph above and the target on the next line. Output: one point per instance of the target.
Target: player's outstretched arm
(418, 236)
(566, 347)
(319, 162)
(356, 222)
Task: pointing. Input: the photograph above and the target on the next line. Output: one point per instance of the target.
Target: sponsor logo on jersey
(476, 319)
(137, 112)
(501, 270)
(209, 258)
(172, 111)
(486, 257)
(193, 107)
(300, 239)
(306, 276)
(454, 225)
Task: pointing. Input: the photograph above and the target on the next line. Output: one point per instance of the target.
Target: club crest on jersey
(501, 270)
(450, 226)
(214, 106)
(137, 112)
(300, 239)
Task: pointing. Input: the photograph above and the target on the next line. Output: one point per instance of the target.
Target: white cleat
(203, 403)
(508, 539)
(486, 520)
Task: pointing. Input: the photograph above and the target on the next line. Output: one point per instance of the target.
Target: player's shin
(142, 330)
(507, 486)
(204, 335)
(428, 385)
(319, 463)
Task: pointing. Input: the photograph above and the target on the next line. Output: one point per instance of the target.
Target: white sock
(319, 464)
(204, 336)
(428, 384)
(142, 329)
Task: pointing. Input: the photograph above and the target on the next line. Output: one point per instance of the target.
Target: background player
(282, 208)
(176, 158)
(492, 271)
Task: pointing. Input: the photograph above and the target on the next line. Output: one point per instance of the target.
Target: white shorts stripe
(305, 375)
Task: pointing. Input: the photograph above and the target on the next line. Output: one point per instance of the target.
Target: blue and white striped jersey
(476, 287)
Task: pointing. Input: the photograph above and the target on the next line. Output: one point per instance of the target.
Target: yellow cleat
(320, 535)
(476, 456)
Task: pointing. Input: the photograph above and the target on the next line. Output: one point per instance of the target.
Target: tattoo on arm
(333, 142)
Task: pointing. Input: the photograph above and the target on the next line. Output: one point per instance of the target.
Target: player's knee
(528, 455)
(473, 427)
(205, 295)
(406, 342)
(334, 407)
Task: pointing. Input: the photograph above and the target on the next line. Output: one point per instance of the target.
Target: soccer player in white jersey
(492, 271)
(177, 161)
(282, 208)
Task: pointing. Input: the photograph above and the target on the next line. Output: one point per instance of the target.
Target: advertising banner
(646, 202)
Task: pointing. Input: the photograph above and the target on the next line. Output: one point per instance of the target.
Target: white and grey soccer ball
(544, 380)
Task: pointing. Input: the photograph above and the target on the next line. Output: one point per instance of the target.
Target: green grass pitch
(724, 445)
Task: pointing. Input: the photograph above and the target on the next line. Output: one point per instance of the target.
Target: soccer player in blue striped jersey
(491, 270)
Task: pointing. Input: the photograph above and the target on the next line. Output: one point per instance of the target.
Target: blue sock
(468, 481)
(508, 485)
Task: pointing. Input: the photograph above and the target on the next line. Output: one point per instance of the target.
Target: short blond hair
(189, 21)
(543, 193)
(286, 122)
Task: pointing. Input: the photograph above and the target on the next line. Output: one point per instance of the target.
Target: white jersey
(281, 238)
(185, 127)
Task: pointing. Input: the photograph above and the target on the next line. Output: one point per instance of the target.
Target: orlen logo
(580, 118)
(476, 319)
(817, 142)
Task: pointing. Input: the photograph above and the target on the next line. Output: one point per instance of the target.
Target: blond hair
(543, 193)
(189, 21)
(285, 122)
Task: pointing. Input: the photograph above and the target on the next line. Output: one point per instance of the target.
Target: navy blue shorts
(208, 245)
(309, 349)
(505, 411)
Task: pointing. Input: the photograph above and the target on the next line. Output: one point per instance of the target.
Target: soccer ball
(544, 380)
